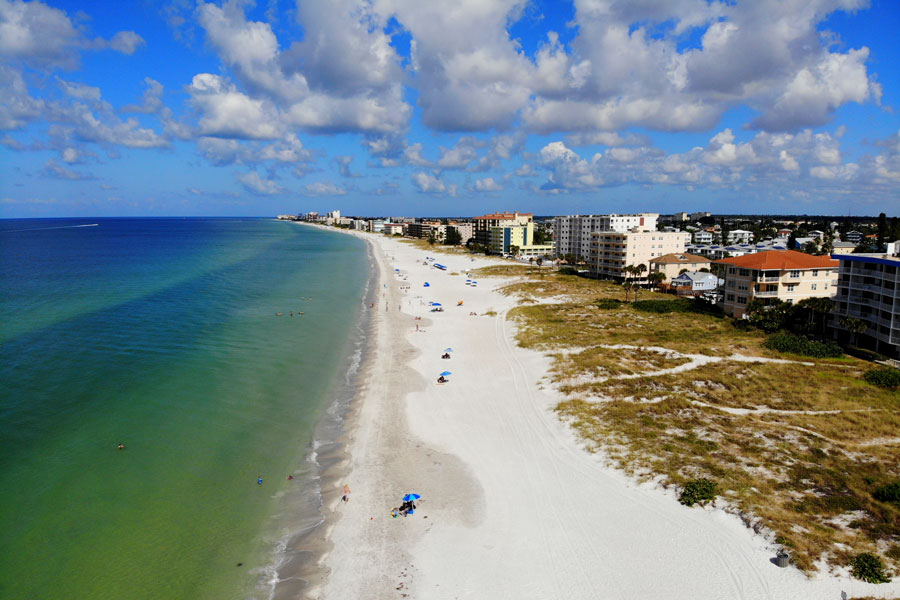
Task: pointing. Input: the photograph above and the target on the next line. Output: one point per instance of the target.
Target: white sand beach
(512, 505)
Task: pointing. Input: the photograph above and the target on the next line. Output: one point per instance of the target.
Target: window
(795, 273)
(815, 273)
(814, 287)
(742, 299)
(731, 283)
(731, 270)
(745, 272)
(742, 286)
(730, 297)
(791, 287)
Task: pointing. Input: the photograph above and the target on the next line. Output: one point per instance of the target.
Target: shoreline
(513, 505)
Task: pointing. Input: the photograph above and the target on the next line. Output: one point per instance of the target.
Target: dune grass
(809, 478)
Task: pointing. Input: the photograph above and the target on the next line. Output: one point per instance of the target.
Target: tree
(814, 311)
(454, 237)
(514, 250)
(540, 235)
(792, 241)
(854, 326)
(811, 247)
(432, 237)
(539, 261)
(769, 318)
(656, 278)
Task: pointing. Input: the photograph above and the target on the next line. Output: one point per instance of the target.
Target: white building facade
(572, 233)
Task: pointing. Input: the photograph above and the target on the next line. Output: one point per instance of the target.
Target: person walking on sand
(346, 496)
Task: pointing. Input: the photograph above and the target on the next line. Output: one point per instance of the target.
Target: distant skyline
(404, 107)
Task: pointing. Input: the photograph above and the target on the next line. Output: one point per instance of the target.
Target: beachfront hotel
(869, 289)
(518, 240)
(572, 233)
(612, 251)
(485, 223)
(785, 275)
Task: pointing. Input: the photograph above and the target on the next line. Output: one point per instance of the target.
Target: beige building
(424, 229)
(612, 251)
(785, 275)
(485, 223)
(671, 265)
(466, 230)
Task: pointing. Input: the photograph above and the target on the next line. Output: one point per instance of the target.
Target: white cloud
(252, 182)
(54, 169)
(226, 112)
(487, 185)
(322, 188)
(343, 165)
(428, 183)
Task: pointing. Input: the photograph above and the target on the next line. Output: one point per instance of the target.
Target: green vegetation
(797, 344)
(888, 493)
(798, 445)
(886, 377)
(869, 568)
(698, 491)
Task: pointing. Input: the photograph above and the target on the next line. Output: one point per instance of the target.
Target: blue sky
(403, 107)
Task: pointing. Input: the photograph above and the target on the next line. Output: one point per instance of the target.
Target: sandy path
(513, 506)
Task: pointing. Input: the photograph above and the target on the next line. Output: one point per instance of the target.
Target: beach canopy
(435, 303)
(448, 349)
(411, 497)
(445, 373)
(427, 284)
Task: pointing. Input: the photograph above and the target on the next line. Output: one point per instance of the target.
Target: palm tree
(539, 262)
(854, 326)
(656, 278)
(640, 269)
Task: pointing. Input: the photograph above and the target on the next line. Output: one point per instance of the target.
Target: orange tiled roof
(679, 257)
(779, 260)
(504, 215)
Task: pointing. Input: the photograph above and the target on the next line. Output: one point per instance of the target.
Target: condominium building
(484, 223)
(784, 275)
(424, 229)
(518, 240)
(394, 228)
(671, 265)
(704, 237)
(572, 233)
(869, 289)
(466, 230)
(612, 251)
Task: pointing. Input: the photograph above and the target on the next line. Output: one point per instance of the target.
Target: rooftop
(504, 215)
(678, 258)
(779, 260)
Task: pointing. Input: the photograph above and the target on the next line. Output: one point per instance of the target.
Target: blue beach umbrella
(435, 303)
(410, 497)
(448, 349)
(426, 284)
(445, 373)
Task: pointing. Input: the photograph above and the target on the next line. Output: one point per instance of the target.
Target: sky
(457, 108)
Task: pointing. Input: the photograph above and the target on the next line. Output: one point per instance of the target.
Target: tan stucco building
(612, 251)
(785, 275)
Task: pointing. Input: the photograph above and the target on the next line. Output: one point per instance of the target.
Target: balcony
(774, 279)
(766, 294)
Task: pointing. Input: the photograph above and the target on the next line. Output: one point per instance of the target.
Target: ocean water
(162, 334)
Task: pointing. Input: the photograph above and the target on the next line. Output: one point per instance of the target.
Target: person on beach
(394, 513)
(346, 497)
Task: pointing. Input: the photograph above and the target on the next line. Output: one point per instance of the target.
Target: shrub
(662, 306)
(568, 271)
(869, 568)
(886, 377)
(888, 493)
(608, 303)
(698, 490)
(864, 354)
(797, 344)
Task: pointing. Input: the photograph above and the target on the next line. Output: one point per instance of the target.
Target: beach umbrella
(410, 497)
(448, 349)
(435, 303)
(426, 284)
(445, 373)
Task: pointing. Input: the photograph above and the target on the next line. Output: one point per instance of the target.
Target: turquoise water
(160, 334)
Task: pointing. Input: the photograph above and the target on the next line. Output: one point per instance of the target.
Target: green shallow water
(161, 334)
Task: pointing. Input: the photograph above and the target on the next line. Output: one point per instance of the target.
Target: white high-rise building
(572, 233)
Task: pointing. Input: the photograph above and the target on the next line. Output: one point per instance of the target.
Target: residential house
(739, 236)
(869, 289)
(785, 275)
(671, 265)
(703, 237)
(843, 247)
(853, 236)
(695, 283)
